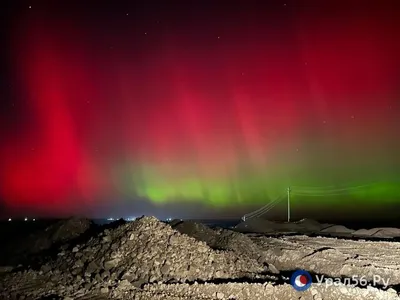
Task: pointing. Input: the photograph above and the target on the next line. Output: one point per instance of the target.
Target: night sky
(198, 110)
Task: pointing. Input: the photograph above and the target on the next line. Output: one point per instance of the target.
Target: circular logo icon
(301, 280)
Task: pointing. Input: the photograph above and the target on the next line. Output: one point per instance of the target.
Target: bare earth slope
(148, 259)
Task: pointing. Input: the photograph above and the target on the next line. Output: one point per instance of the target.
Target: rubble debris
(148, 260)
(131, 255)
(224, 239)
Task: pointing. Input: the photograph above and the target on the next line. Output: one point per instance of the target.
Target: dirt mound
(243, 246)
(198, 231)
(66, 230)
(223, 239)
(310, 225)
(127, 257)
(303, 226)
(337, 229)
(385, 232)
(258, 225)
(55, 234)
(365, 232)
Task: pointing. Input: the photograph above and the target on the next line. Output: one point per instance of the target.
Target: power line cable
(264, 209)
(308, 190)
(332, 188)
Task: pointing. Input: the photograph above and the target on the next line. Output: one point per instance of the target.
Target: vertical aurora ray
(225, 123)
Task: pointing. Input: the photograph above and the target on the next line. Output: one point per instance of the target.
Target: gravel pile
(198, 231)
(148, 260)
(227, 240)
(120, 260)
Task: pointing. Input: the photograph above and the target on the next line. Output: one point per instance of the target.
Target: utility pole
(288, 204)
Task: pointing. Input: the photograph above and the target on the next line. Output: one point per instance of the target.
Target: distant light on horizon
(26, 219)
(9, 219)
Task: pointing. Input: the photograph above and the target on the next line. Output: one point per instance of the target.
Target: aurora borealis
(197, 104)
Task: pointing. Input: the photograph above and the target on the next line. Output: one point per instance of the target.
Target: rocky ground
(334, 257)
(149, 259)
